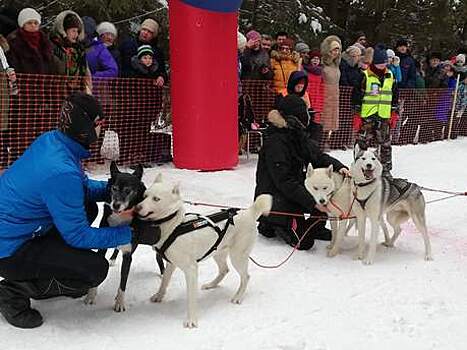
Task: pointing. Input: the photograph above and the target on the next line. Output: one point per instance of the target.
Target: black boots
(15, 305)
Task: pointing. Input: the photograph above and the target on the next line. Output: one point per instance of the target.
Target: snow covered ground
(312, 302)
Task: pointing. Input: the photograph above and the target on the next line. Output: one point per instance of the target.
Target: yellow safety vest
(377, 99)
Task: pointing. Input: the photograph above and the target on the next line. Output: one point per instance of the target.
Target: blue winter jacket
(396, 70)
(100, 61)
(47, 187)
(408, 70)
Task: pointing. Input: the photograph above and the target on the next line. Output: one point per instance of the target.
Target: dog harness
(196, 224)
(363, 202)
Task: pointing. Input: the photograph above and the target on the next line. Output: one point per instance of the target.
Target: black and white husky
(377, 196)
(126, 191)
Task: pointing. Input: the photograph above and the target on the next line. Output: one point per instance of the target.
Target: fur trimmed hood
(60, 30)
(326, 46)
(368, 56)
(279, 56)
(289, 122)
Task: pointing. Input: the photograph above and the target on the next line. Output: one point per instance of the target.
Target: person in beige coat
(331, 50)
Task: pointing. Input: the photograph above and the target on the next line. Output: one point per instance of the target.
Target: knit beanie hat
(315, 53)
(380, 56)
(460, 59)
(151, 25)
(302, 48)
(390, 53)
(28, 14)
(106, 27)
(295, 106)
(71, 21)
(253, 35)
(145, 50)
(78, 116)
(89, 25)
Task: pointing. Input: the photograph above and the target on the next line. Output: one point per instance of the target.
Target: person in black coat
(287, 151)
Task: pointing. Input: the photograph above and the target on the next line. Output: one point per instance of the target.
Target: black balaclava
(78, 117)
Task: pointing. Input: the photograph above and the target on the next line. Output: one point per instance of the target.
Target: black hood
(294, 78)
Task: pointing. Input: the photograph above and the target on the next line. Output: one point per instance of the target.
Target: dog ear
(309, 170)
(138, 171)
(158, 178)
(176, 189)
(329, 171)
(114, 169)
(357, 151)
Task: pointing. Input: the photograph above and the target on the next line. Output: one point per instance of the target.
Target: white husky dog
(163, 203)
(376, 196)
(333, 191)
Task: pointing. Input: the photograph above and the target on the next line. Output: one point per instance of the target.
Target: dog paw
(332, 253)
(190, 323)
(329, 246)
(157, 298)
(388, 244)
(119, 306)
(368, 261)
(428, 258)
(209, 286)
(358, 256)
(236, 300)
(90, 298)
(112, 262)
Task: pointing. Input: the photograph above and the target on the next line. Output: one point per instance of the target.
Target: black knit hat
(295, 106)
(78, 116)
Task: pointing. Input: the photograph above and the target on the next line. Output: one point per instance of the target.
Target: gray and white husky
(377, 196)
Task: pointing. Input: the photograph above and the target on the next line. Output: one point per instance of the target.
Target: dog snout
(115, 206)
(369, 166)
(322, 201)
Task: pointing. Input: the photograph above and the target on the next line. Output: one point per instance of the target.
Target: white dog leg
(91, 296)
(361, 239)
(191, 277)
(340, 232)
(119, 305)
(334, 228)
(221, 261)
(387, 238)
(419, 221)
(373, 242)
(169, 269)
(240, 263)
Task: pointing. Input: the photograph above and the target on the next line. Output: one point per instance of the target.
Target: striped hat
(145, 50)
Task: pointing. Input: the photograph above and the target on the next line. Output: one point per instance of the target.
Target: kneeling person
(46, 206)
(283, 159)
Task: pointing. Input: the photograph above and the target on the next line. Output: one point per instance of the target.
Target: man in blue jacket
(407, 65)
(45, 233)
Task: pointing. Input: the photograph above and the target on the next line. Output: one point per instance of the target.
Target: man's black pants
(54, 267)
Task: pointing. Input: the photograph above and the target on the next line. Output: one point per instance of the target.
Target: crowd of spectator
(79, 47)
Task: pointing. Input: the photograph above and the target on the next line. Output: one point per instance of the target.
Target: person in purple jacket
(100, 61)
(47, 204)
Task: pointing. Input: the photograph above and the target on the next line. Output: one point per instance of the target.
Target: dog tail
(262, 205)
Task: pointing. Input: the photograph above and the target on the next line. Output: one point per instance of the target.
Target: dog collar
(167, 218)
(363, 184)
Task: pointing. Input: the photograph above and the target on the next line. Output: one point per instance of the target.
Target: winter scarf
(72, 54)
(33, 39)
